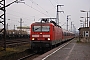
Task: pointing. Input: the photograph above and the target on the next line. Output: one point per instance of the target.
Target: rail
(14, 42)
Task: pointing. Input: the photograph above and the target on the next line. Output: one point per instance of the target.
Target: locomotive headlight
(32, 38)
(48, 38)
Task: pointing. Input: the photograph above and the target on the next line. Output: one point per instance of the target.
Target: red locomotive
(47, 34)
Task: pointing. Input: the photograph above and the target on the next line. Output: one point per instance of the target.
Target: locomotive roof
(47, 23)
(36, 23)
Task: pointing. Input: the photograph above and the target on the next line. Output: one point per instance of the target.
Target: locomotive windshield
(41, 28)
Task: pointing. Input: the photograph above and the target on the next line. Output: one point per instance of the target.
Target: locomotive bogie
(40, 44)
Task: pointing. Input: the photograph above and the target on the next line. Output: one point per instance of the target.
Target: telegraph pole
(20, 24)
(3, 19)
(85, 22)
(87, 15)
(67, 21)
(71, 26)
(7, 26)
(87, 19)
(89, 24)
(4, 27)
(57, 21)
(14, 27)
(74, 29)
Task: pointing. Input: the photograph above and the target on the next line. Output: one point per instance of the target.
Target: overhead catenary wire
(35, 9)
(55, 8)
(15, 18)
(19, 14)
(56, 1)
(38, 5)
(52, 4)
(24, 14)
(33, 2)
(66, 18)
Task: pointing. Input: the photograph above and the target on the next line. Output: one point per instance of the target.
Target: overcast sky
(35, 9)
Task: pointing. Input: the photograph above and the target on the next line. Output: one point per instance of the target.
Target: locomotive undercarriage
(40, 45)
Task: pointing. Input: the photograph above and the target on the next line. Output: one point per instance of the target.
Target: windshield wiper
(37, 28)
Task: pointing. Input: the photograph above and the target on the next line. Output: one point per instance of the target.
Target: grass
(79, 41)
(1, 48)
(13, 50)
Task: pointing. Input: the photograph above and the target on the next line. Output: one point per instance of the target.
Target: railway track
(34, 55)
(30, 55)
(14, 42)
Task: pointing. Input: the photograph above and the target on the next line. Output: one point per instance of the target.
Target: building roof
(83, 28)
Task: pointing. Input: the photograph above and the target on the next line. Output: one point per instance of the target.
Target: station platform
(71, 51)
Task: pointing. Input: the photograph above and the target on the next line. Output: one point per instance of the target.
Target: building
(84, 33)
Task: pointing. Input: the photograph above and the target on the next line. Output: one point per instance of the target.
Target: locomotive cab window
(41, 28)
(36, 28)
(45, 28)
